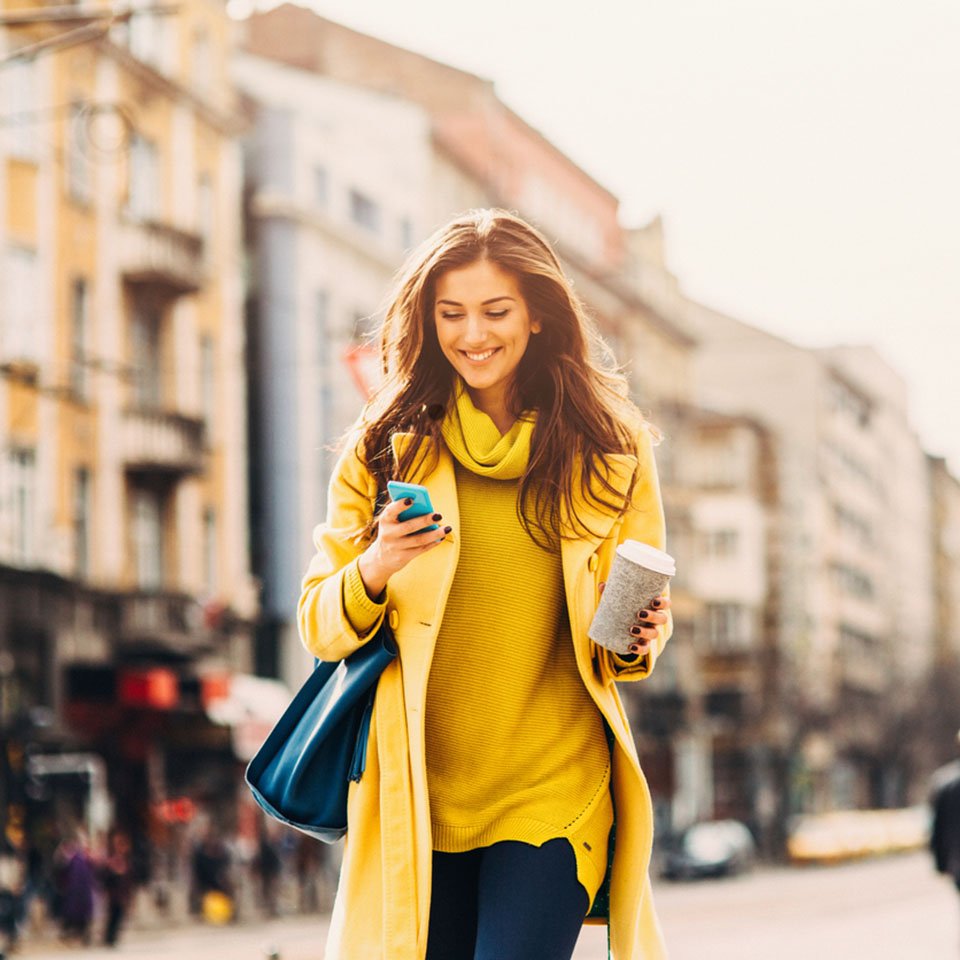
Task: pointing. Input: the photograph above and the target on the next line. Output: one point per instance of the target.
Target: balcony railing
(159, 441)
(160, 255)
(170, 621)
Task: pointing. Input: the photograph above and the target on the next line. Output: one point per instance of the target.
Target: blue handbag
(301, 774)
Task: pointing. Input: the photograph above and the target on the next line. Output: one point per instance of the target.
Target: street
(893, 908)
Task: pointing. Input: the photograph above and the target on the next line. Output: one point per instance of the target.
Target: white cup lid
(647, 556)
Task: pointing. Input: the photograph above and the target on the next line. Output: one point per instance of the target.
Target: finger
(603, 583)
(416, 524)
(660, 603)
(651, 617)
(642, 634)
(392, 510)
(418, 540)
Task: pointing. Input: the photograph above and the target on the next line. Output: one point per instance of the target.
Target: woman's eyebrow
(454, 303)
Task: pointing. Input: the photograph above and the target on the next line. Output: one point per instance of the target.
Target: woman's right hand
(397, 543)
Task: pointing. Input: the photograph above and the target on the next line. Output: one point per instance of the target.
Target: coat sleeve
(334, 614)
(644, 521)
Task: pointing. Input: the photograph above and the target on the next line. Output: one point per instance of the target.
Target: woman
(116, 878)
(479, 829)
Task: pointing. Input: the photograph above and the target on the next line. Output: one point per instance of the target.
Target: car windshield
(711, 841)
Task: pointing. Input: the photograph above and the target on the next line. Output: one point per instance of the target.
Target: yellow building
(125, 579)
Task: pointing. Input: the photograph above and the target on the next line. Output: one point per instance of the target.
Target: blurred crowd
(86, 891)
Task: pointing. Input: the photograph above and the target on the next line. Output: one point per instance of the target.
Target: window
(323, 348)
(202, 66)
(321, 186)
(21, 99)
(81, 522)
(78, 161)
(143, 200)
(854, 525)
(146, 36)
(854, 582)
(19, 329)
(206, 214)
(146, 356)
(78, 339)
(726, 628)
(717, 463)
(849, 404)
(148, 539)
(210, 550)
(364, 212)
(720, 543)
(725, 705)
(21, 498)
(208, 385)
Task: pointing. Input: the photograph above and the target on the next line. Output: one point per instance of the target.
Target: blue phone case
(421, 505)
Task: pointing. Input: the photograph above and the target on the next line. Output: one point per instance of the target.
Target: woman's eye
(497, 314)
(450, 316)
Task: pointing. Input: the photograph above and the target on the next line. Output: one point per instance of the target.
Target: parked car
(716, 848)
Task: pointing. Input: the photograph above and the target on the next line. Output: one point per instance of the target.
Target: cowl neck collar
(476, 442)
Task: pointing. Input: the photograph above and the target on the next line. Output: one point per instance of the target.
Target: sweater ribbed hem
(449, 838)
(362, 612)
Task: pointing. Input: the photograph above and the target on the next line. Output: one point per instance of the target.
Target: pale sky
(805, 156)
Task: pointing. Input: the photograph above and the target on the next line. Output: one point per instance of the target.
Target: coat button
(393, 619)
(593, 562)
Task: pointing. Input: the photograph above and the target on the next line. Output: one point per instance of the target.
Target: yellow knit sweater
(515, 746)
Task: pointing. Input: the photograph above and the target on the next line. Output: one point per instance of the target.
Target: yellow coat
(382, 905)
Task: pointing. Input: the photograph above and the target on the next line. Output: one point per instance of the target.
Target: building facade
(124, 559)
(845, 512)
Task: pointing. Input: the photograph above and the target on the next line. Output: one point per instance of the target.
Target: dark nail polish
(635, 631)
(633, 648)
(643, 614)
(655, 603)
(447, 529)
(408, 501)
(437, 516)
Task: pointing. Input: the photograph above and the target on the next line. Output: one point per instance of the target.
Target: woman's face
(483, 326)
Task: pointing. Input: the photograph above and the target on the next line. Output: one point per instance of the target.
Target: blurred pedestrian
(116, 878)
(212, 886)
(308, 857)
(267, 866)
(76, 881)
(12, 891)
(945, 836)
(496, 778)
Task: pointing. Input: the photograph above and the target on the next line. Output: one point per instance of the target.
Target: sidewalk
(285, 938)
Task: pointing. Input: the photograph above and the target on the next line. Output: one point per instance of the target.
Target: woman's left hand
(644, 631)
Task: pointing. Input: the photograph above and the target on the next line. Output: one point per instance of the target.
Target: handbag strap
(378, 505)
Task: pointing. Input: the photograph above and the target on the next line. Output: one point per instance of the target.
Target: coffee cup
(638, 574)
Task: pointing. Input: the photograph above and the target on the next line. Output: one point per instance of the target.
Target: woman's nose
(476, 331)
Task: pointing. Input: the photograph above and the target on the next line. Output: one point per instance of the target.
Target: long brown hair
(567, 374)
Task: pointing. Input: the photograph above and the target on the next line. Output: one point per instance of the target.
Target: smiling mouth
(479, 357)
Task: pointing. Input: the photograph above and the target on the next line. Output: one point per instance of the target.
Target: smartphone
(421, 505)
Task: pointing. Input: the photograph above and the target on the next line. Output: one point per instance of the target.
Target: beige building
(847, 512)
(124, 561)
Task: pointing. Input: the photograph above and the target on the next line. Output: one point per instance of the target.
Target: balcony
(161, 256)
(168, 622)
(156, 441)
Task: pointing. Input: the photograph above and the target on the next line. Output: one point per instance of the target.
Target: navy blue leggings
(508, 901)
